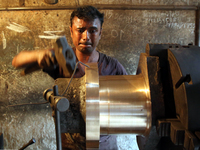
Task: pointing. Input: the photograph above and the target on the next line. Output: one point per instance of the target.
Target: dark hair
(87, 13)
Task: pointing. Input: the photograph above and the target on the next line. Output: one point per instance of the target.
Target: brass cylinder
(124, 105)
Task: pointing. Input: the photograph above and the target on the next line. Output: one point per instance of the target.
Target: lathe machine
(161, 103)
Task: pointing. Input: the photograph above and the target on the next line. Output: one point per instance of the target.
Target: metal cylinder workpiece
(124, 105)
(121, 105)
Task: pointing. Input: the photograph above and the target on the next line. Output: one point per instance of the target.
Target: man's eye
(80, 30)
(93, 31)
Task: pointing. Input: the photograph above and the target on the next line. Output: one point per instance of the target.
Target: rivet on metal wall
(21, 3)
(51, 1)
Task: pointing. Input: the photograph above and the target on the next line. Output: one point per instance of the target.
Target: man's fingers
(48, 60)
(52, 57)
(43, 63)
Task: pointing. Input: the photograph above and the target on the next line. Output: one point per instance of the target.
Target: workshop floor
(113, 142)
(127, 142)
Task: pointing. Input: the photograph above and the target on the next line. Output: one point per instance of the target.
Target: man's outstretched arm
(44, 58)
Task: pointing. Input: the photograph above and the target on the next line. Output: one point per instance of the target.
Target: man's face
(85, 34)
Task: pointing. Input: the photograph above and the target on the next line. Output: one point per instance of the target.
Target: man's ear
(70, 28)
(100, 33)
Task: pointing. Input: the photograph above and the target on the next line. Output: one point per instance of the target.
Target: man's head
(86, 27)
(87, 13)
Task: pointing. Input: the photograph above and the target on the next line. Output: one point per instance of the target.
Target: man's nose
(86, 35)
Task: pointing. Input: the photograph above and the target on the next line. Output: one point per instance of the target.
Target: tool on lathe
(64, 55)
(32, 141)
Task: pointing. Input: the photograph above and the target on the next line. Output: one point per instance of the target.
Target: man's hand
(46, 58)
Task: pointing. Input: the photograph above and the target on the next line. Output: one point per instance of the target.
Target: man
(86, 30)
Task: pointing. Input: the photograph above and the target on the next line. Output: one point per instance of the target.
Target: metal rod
(55, 90)
(197, 27)
(57, 121)
(106, 6)
(32, 141)
(1, 141)
(58, 130)
(147, 7)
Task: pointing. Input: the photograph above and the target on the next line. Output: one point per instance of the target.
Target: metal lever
(58, 104)
(28, 144)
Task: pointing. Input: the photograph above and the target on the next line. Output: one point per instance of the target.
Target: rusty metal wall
(125, 35)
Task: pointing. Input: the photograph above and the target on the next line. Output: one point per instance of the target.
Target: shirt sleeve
(110, 66)
(120, 69)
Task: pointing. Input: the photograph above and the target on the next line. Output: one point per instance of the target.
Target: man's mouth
(87, 44)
